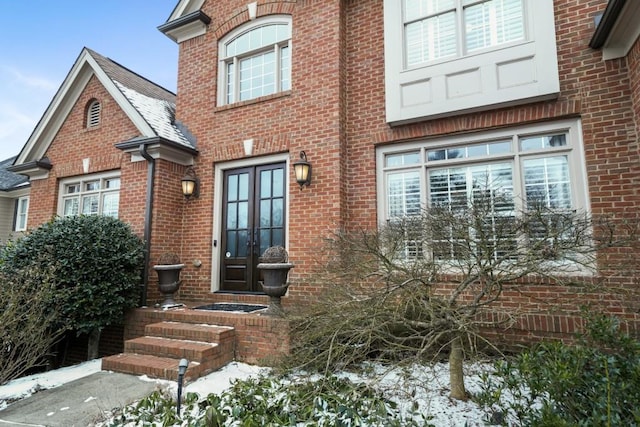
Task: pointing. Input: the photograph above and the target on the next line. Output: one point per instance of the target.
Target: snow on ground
(428, 387)
(26, 386)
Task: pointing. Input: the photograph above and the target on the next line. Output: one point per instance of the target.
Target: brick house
(375, 93)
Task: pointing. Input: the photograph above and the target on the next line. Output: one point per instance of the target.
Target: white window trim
(220, 169)
(80, 180)
(574, 150)
(487, 79)
(20, 201)
(222, 59)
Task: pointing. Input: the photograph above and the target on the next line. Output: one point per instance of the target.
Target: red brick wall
(633, 64)
(335, 111)
(595, 90)
(308, 117)
(598, 92)
(168, 220)
(74, 142)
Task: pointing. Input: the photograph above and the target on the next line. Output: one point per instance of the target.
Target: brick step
(153, 366)
(206, 347)
(190, 331)
(196, 351)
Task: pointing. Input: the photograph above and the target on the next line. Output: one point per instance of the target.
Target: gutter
(196, 16)
(135, 143)
(148, 209)
(606, 23)
(141, 146)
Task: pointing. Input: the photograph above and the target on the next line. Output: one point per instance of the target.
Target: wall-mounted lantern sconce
(302, 169)
(190, 184)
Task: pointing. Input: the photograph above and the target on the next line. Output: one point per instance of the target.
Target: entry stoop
(157, 354)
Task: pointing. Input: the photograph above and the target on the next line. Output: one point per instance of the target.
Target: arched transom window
(255, 60)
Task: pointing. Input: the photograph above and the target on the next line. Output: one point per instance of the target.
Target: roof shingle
(9, 180)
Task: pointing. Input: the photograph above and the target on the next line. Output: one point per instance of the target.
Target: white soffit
(624, 33)
(185, 7)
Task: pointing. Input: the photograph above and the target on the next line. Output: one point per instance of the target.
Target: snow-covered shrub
(274, 401)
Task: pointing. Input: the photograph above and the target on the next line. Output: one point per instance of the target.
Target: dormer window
(93, 114)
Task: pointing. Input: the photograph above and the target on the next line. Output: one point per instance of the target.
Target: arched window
(93, 113)
(255, 60)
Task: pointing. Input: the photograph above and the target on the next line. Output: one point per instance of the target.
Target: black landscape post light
(182, 368)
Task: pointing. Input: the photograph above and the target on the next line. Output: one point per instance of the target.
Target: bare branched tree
(428, 284)
(28, 321)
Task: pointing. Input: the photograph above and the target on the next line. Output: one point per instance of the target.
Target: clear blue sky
(41, 39)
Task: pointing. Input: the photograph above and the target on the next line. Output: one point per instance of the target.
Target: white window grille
(509, 170)
(90, 195)
(255, 60)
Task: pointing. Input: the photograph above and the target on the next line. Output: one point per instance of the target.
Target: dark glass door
(253, 219)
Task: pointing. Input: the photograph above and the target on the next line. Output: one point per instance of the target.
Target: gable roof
(150, 107)
(9, 180)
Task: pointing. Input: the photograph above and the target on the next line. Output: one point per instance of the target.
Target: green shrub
(96, 264)
(267, 401)
(595, 382)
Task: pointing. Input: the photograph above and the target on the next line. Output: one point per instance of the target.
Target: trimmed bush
(96, 264)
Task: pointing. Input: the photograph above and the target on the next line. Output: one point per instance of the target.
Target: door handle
(256, 248)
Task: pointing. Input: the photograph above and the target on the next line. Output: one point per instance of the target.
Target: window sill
(259, 100)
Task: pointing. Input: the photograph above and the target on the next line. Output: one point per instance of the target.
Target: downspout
(148, 210)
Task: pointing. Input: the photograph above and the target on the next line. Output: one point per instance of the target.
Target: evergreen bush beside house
(595, 382)
(96, 264)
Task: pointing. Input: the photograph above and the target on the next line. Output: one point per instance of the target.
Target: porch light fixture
(190, 184)
(302, 169)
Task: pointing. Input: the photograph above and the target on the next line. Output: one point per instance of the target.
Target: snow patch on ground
(424, 387)
(24, 387)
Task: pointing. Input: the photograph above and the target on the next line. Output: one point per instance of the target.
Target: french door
(253, 218)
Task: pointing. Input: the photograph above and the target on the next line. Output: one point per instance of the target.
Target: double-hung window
(90, 195)
(509, 169)
(255, 60)
(22, 210)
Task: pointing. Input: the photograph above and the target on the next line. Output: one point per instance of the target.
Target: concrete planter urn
(168, 269)
(275, 270)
